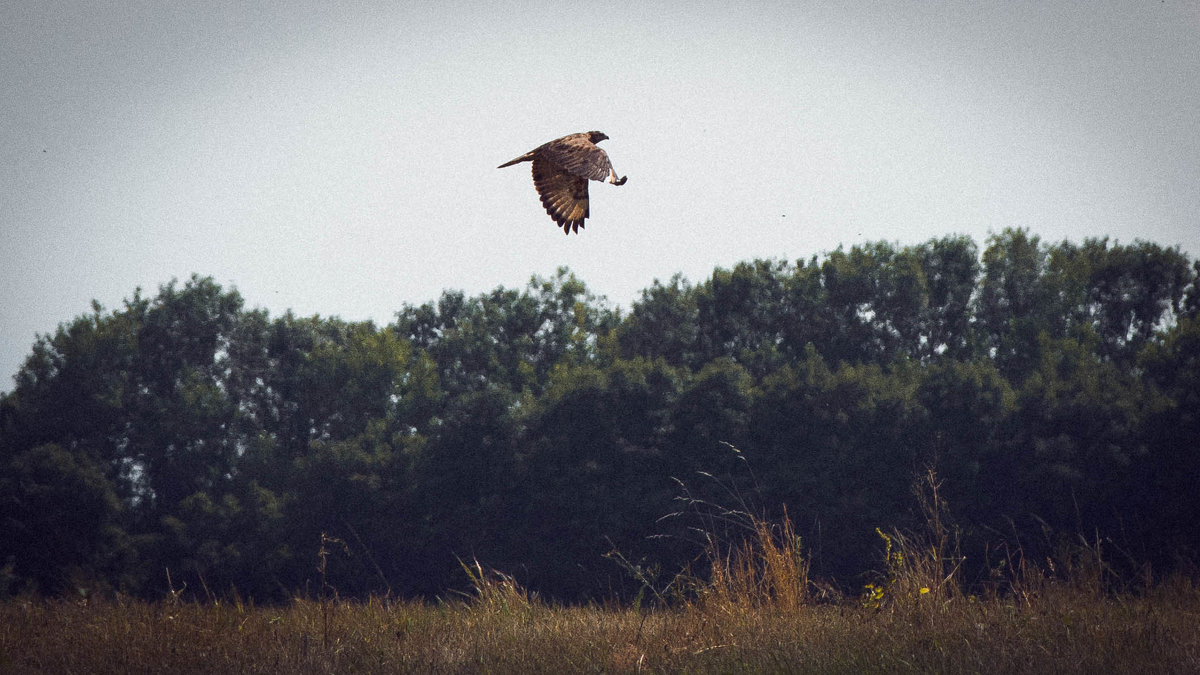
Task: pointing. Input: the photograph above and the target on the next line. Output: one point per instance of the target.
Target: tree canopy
(1053, 386)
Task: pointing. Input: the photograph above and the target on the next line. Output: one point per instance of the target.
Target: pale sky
(340, 158)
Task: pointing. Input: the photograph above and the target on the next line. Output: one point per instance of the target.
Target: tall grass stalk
(767, 568)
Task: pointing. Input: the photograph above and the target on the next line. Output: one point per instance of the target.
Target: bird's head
(597, 136)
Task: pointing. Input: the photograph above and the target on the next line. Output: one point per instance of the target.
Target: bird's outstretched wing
(563, 192)
(577, 155)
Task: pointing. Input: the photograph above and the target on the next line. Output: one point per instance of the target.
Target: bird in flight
(561, 171)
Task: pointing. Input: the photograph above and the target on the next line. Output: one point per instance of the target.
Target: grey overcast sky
(340, 158)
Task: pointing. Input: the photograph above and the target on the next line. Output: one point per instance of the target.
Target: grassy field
(755, 610)
(1061, 631)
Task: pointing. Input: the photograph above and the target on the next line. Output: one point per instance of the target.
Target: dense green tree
(505, 337)
(839, 446)
(738, 315)
(850, 281)
(1076, 437)
(713, 409)
(178, 411)
(594, 472)
(951, 268)
(1166, 479)
(1014, 303)
(663, 323)
(1123, 293)
(968, 407)
(61, 521)
(1050, 385)
(74, 388)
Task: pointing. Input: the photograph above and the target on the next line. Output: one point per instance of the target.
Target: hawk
(561, 171)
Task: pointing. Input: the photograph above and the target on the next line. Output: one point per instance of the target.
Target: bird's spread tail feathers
(523, 158)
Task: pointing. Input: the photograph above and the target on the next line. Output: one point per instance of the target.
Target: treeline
(1055, 388)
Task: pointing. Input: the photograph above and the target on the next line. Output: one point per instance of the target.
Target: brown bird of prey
(561, 171)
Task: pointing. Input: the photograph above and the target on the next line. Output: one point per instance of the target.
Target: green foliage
(1053, 386)
(57, 549)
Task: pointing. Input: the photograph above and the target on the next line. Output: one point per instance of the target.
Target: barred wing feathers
(577, 155)
(564, 195)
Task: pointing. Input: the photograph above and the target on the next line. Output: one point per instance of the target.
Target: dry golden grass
(752, 615)
(1058, 631)
(754, 612)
